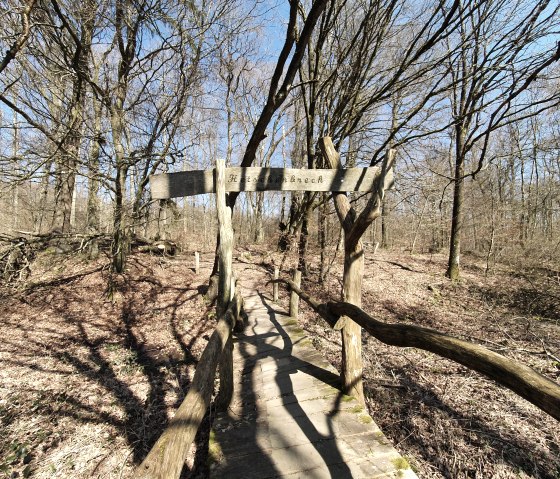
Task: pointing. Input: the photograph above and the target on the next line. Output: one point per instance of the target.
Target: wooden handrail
(167, 457)
(521, 379)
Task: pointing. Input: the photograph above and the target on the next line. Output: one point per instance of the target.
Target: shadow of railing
(329, 451)
(252, 437)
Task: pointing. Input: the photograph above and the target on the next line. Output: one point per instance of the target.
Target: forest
(459, 97)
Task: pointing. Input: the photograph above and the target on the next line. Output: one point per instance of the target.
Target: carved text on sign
(274, 180)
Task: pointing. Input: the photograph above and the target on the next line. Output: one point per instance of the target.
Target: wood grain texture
(196, 182)
(225, 247)
(351, 333)
(354, 226)
(226, 284)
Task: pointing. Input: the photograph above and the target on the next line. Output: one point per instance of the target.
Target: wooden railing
(521, 379)
(167, 457)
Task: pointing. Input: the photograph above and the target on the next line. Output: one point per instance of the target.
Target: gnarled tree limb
(522, 380)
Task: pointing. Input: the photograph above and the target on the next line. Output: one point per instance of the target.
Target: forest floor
(89, 375)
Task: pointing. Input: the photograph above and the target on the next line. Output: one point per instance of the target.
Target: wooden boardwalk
(288, 418)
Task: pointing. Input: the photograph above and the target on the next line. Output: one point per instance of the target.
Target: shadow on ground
(123, 363)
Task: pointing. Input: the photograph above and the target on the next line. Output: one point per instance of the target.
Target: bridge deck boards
(288, 418)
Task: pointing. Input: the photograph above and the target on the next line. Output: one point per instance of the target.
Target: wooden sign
(188, 183)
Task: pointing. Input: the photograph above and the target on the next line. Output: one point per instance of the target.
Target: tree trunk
(73, 207)
(304, 237)
(15, 198)
(385, 224)
(457, 215)
(64, 190)
(68, 162)
(258, 234)
(120, 245)
(43, 197)
(93, 220)
(322, 227)
(289, 229)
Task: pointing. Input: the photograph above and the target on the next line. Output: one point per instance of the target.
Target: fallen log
(521, 379)
(162, 248)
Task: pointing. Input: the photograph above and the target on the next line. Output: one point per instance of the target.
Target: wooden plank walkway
(288, 418)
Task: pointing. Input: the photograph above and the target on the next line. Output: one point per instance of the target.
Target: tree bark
(304, 237)
(385, 225)
(93, 219)
(322, 226)
(119, 247)
(68, 161)
(44, 193)
(258, 235)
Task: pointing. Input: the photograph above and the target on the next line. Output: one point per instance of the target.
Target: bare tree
(345, 83)
(498, 56)
(20, 37)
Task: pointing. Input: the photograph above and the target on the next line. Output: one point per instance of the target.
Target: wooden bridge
(285, 415)
(288, 417)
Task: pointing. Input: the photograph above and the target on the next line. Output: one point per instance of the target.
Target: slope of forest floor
(90, 374)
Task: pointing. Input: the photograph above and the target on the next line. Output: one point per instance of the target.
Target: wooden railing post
(224, 282)
(275, 285)
(196, 262)
(294, 298)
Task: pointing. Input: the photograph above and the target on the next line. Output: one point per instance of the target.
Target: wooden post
(294, 298)
(354, 225)
(225, 250)
(275, 285)
(196, 262)
(225, 254)
(173, 185)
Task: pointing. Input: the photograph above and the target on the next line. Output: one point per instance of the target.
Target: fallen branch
(18, 253)
(522, 380)
(322, 309)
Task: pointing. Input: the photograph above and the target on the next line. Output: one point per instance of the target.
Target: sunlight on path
(288, 417)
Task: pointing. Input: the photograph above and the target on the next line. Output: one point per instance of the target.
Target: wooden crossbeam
(196, 182)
